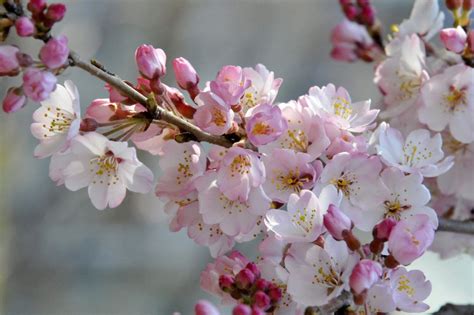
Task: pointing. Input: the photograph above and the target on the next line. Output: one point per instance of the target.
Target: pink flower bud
(204, 307)
(38, 84)
(364, 275)
(336, 221)
(454, 39)
(14, 100)
(453, 4)
(24, 60)
(186, 75)
(24, 26)
(56, 12)
(55, 52)
(9, 64)
(254, 269)
(470, 41)
(275, 293)
(242, 309)
(244, 279)
(382, 230)
(368, 15)
(258, 311)
(151, 61)
(467, 5)
(261, 300)
(410, 238)
(351, 12)
(262, 284)
(226, 282)
(36, 6)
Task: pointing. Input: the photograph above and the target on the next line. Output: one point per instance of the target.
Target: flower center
(184, 168)
(329, 278)
(342, 108)
(343, 184)
(59, 121)
(409, 86)
(105, 166)
(262, 128)
(218, 117)
(455, 98)
(304, 219)
(240, 165)
(394, 209)
(404, 286)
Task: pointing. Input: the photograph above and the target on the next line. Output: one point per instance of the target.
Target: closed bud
(9, 64)
(88, 125)
(204, 307)
(351, 12)
(262, 284)
(261, 300)
(258, 311)
(336, 222)
(226, 282)
(275, 294)
(453, 4)
(24, 27)
(470, 41)
(38, 84)
(467, 5)
(382, 230)
(254, 269)
(244, 279)
(186, 75)
(367, 15)
(454, 39)
(56, 12)
(151, 62)
(36, 6)
(14, 100)
(55, 52)
(364, 275)
(242, 309)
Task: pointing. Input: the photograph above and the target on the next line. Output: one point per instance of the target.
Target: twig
(136, 96)
(466, 227)
(451, 309)
(333, 305)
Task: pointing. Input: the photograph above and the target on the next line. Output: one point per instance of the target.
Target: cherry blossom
(263, 87)
(419, 152)
(230, 84)
(426, 20)
(57, 121)
(351, 41)
(410, 289)
(213, 114)
(108, 168)
(265, 125)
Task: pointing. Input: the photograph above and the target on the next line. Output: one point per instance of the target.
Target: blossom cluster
(309, 178)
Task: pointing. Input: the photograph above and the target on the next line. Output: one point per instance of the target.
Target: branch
(333, 305)
(466, 227)
(451, 309)
(136, 96)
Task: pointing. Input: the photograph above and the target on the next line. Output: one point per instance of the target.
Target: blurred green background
(59, 255)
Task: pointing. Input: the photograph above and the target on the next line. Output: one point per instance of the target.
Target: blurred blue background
(59, 255)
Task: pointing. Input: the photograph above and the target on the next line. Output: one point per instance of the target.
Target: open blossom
(233, 216)
(419, 152)
(287, 172)
(356, 176)
(322, 275)
(335, 105)
(426, 20)
(263, 87)
(55, 52)
(303, 222)
(265, 125)
(404, 196)
(38, 84)
(402, 74)
(109, 168)
(230, 84)
(410, 238)
(57, 120)
(351, 41)
(213, 114)
(9, 64)
(410, 289)
(305, 132)
(181, 164)
(240, 170)
(448, 99)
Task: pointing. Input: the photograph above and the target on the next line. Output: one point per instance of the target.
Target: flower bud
(382, 230)
(454, 39)
(410, 238)
(364, 275)
(56, 12)
(36, 6)
(9, 64)
(14, 100)
(351, 12)
(204, 307)
(336, 221)
(24, 60)
(151, 62)
(261, 300)
(186, 75)
(368, 15)
(226, 282)
(55, 52)
(244, 279)
(467, 5)
(258, 311)
(88, 125)
(470, 41)
(453, 4)
(275, 294)
(24, 26)
(38, 84)
(242, 309)
(262, 284)
(253, 268)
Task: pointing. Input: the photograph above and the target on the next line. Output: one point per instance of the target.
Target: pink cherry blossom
(240, 170)
(109, 168)
(410, 289)
(335, 105)
(410, 238)
(57, 120)
(265, 125)
(287, 172)
(426, 20)
(182, 164)
(364, 275)
(24, 26)
(263, 87)
(55, 52)
(233, 216)
(419, 152)
(454, 39)
(151, 61)
(350, 41)
(447, 99)
(322, 275)
(38, 84)
(204, 307)
(213, 114)
(303, 222)
(305, 132)
(9, 64)
(230, 84)
(14, 100)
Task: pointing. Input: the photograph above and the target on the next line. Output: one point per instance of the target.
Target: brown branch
(136, 96)
(466, 227)
(451, 309)
(333, 305)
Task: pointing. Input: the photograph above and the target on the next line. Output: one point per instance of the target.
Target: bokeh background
(59, 255)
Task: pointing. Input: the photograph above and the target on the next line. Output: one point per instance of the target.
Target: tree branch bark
(466, 227)
(136, 96)
(333, 305)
